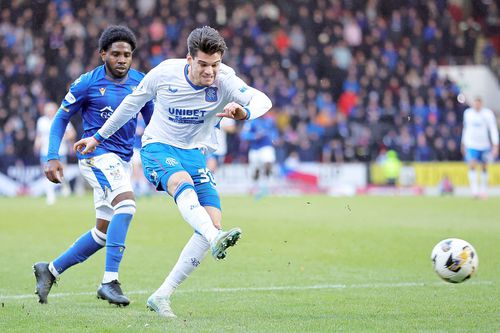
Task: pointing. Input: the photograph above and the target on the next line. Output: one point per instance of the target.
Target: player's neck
(115, 79)
(118, 80)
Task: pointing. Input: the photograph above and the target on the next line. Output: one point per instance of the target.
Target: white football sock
(484, 182)
(191, 256)
(473, 182)
(195, 214)
(109, 276)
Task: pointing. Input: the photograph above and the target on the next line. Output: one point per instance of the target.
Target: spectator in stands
(335, 55)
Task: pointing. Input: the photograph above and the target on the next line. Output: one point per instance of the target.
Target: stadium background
(349, 79)
(307, 263)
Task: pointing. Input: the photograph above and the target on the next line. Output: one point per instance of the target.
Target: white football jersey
(480, 129)
(184, 114)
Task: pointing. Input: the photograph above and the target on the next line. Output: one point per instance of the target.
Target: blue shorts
(477, 155)
(160, 161)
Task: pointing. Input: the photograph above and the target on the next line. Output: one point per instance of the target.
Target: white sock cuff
(125, 207)
(184, 190)
(98, 236)
(109, 276)
(53, 270)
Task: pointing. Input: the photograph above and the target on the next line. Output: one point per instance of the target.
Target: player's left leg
(190, 258)
(483, 186)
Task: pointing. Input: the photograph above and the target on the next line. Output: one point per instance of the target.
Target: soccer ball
(454, 260)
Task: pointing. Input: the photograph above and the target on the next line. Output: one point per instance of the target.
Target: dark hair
(116, 33)
(207, 40)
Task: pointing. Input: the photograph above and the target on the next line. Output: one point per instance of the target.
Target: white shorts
(109, 176)
(258, 157)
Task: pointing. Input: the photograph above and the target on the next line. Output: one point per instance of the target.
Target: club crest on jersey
(102, 91)
(171, 161)
(211, 94)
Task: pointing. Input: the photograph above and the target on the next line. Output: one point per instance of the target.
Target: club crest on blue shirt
(211, 94)
(171, 161)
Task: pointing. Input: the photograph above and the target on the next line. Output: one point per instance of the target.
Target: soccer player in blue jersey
(261, 154)
(96, 95)
(191, 96)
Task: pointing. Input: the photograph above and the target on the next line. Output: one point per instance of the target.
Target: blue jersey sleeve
(71, 104)
(57, 130)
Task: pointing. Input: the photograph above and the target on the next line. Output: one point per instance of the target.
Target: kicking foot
(224, 240)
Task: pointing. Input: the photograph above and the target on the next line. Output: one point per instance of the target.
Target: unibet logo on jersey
(185, 116)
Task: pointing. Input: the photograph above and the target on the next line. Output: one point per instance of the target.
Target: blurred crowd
(349, 79)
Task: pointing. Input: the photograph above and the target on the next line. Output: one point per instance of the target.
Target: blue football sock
(85, 246)
(117, 232)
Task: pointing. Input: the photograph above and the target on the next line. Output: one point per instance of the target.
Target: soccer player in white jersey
(191, 96)
(42, 146)
(479, 144)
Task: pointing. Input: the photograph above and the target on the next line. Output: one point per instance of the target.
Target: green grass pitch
(304, 264)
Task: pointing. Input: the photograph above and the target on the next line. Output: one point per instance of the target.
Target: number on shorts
(206, 176)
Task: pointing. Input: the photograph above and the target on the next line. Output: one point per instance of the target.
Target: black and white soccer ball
(454, 260)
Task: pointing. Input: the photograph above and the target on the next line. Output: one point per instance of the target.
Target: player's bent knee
(178, 179)
(181, 188)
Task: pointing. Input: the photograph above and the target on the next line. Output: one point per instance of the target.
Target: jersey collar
(189, 81)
